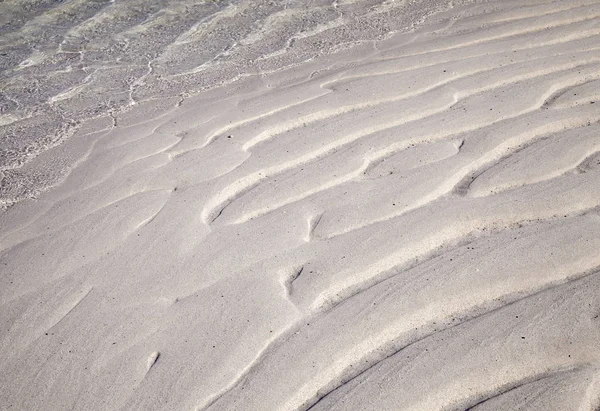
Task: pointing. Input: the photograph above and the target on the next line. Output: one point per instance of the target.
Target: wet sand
(390, 215)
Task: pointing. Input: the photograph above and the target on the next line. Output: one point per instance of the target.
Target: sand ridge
(409, 223)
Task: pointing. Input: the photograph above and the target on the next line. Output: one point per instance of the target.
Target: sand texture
(408, 222)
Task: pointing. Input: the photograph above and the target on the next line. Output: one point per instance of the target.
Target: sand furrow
(524, 384)
(505, 14)
(542, 394)
(325, 205)
(516, 333)
(551, 157)
(477, 68)
(583, 39)
(244, 184)
(437, 231)
(354, 372)
(372, 349)
(517, 29)
(299, 120)
(471, 166)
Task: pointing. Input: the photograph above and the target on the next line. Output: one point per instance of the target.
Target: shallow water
(404, 223)
(66, 62)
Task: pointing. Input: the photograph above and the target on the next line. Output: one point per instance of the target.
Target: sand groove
(257, 205)
(386, 342)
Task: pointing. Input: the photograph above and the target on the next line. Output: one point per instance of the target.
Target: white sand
(409, 224)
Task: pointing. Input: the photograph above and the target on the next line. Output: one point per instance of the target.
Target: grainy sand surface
(347, 205)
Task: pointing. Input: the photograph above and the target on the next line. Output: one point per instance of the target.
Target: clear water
(65, 62)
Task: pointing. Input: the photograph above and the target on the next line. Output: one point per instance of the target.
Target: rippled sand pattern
(68, 67)
(404, 222)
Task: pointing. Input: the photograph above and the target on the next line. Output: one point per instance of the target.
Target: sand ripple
(323, 208)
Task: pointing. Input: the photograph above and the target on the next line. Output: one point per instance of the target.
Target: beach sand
(408, 219)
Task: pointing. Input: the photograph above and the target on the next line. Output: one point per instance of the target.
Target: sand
(407, 222)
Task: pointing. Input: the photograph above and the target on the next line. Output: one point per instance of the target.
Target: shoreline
(69, 109)
(410, 223)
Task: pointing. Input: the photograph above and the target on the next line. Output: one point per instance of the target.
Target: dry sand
(410, 223)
